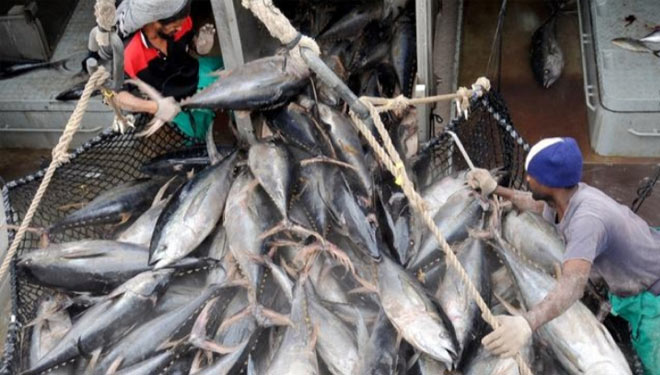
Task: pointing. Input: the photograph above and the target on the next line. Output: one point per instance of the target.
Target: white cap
(539, 146)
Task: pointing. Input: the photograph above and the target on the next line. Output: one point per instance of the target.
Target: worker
(159, 54)
(604, 240)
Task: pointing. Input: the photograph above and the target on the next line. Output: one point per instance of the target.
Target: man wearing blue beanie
(603, 238)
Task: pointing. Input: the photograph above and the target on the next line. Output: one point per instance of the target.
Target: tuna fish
(536, 240)
(114, 206)
(191, 214)
(420, 322)
(461, 310)
(297, 352)
(578, 340)
(270, 164)
(107, 321)
(265, 83)
(546, 55)
(463, 210)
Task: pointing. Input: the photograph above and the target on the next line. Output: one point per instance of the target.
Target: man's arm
(515, 331)
(129, 102)
(567, 291)
(521, 199)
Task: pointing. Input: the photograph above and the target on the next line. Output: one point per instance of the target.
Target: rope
(390, 158)
(60, 156)
(280, 27)
(462, 96)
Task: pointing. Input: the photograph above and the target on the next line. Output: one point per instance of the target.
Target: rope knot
(399, 105)
(481, 86)
(463, 101)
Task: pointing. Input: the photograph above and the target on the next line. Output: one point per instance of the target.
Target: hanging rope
(60, 156)
(280, 27)
(390, 158)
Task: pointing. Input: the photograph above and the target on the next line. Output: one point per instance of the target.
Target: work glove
(168, 108)
(509, 338)
(204, 40)
(482, 180)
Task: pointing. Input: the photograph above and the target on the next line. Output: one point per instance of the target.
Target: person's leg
(643, 313)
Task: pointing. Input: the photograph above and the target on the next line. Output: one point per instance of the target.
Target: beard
(164, 35)
(538, 196)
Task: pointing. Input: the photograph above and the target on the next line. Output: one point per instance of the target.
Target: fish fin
(361, 290)
(214, 347)
(269, 318)
(411, 362)
(211, 148)
(509, 307)
(161, 192)
(198, 331)
(96, 354)
(656, 53)
(197, 202)
(234, 319)
(114, 366)
(362, 330)
(83, 253)
(250, 366)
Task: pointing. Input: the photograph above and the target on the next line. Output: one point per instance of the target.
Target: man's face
(168, 30)
(539, 192)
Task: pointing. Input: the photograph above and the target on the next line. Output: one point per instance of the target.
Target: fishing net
(111, 159)
(489, 139)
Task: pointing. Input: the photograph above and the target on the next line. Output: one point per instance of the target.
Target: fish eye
(546, 71)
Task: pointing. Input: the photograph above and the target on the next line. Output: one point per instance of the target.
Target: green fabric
(643, 313)
(195, 122)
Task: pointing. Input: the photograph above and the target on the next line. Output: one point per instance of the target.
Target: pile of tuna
(297, 255)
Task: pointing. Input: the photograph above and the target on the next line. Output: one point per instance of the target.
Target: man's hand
(509, 338)
(204, 39)
(167, 110)
(482, 180)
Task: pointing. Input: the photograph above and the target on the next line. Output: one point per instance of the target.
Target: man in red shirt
(160, 54)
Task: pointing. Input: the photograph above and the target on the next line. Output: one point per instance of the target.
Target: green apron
(195, 122)
(643, 313)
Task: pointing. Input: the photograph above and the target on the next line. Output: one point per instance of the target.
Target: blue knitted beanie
(555, 162)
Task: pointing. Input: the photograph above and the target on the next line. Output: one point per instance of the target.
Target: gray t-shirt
(623, 250)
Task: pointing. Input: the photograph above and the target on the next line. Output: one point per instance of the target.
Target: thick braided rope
(390, 158)
(462, 96)
(60, 157)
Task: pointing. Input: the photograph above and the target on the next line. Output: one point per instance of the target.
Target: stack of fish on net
(283, 260)
(298, 254)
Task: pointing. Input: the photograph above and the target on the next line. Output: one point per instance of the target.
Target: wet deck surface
(558, 111)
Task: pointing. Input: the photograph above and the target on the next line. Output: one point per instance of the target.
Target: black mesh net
(110, 159)
(489, 139)
(104, 162)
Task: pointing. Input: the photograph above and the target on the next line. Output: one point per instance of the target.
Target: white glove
(168, 108)
(482, 180)
(204, 40)
(509, 338)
